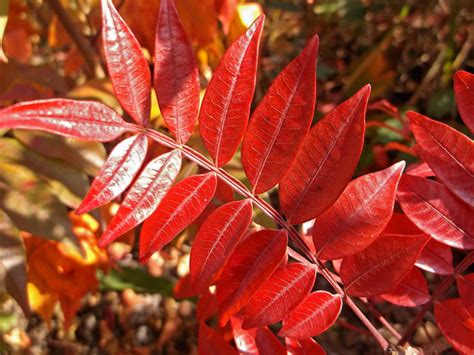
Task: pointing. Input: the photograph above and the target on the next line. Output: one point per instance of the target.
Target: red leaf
(448, 152)
(128, 68)
(183, 288)
(217, 239)
(207, 305)
(382, 265)
(436, 212)
(401, 224)
(211, 342)
(436, 258)
(279, 294)
(117, 173)
(226, 105)
(144, 196)
(466, 291)
(71, 118)
(281, 120)
(420, 169)
(326, 161)
(464, 91)
(307, 346)
(358, 216)
(456, 324)
(183, 203)
(313, 316)
(412, 291)
(244, 340)
(268, 343)
(176, 78)
(248, 267)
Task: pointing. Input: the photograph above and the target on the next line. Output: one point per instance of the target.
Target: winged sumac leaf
(313, 316)
(307, 346)
(448, 152)
(466, 291)
(382, 265)
(176, 78)
(183, 203)
(226, 104)
(144, 195)
(71, 118)
(117, 173)
(437, 258)
(281, 120)
(279, 294)
(244, 339)
(211, 342)
(412, 291)
(325, 161)
(216, 240)
(464, 91)
(268, 343)
(358, 216)
(128, 68)
(434, 210)
(456, 324)
(248, 267)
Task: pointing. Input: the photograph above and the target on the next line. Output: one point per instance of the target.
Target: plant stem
(240, 188)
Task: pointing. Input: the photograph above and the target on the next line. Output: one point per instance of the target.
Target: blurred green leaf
(7, 322)
(12, 263)
(136, 279)
(441, 103)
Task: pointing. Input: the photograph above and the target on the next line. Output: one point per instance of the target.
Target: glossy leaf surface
(183, 203)
(382, 265)
(359, 215)
(225, 107)
(217, 239)
(281, 120)
(437, 258)
(412, 291)
(313, 316)
(144, 195)
(448, 152)
(456, 324)
(127, 66)
(434, 210)
(279, 294)
(247, 268)
(464, 91)
(71, 118)
(211, 342)
(244, 339)
(176, 78)
(268, 343)
(117, 173)
(326, 161)
(465, 285)
(307, 346)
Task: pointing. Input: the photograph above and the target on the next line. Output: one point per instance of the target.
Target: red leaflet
(185, 201)
(412, 291)
(401, 224)
(456, 324)
(448, 152)
(464, 90)
(183, 288)
(216, 240)
(117, 173)
(420, 169)
(326, 160)
(382, 265)
(466, 291)
(176, 78)
(207, 305)
(358, 216)
(313, 316)
(268, 343)
(436, 212)
(244, 339)
(281, 120)
(248, 267)
(279, 294)
(226, 105)
(71, 118)
(306, 346)
(436, 258)
(128, 68)
(144, 196)
(211, 342)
